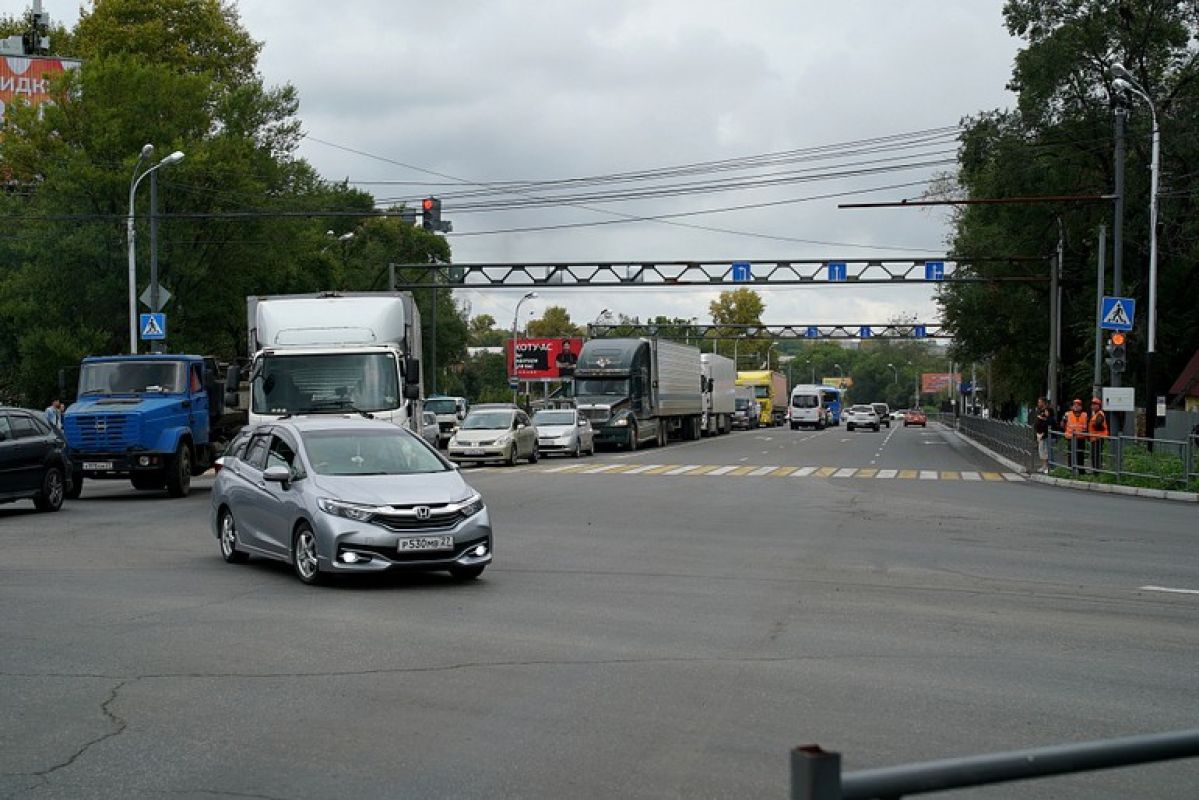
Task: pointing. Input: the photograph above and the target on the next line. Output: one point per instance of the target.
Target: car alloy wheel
(53, 491)
(228, 536)
(304, 557)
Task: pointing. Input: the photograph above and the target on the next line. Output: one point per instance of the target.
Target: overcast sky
(513, 90)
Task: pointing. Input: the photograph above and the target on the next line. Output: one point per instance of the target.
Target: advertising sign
(544, 359)
(934, 382)
(840, 383)
(28, 78)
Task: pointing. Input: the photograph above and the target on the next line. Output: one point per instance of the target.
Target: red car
(915, 417)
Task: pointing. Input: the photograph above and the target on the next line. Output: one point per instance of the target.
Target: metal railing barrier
(816, 773)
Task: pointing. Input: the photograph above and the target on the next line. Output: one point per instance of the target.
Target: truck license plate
(97, 466)
(411, 543)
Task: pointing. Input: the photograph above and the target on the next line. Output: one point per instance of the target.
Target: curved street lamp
(515, 320)
(131, 230)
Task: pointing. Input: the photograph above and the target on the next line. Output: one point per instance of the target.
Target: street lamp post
(515, 319)
(1125, 82)
(813, 368)
(896, 371)
(768, 351)
(131, 230)
(840, 372)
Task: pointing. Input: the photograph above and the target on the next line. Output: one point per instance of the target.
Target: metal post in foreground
(1097, 377)
(815, 774)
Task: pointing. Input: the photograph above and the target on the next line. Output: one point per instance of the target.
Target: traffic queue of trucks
(156, 420)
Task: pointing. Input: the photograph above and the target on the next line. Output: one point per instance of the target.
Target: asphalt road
(646, 631)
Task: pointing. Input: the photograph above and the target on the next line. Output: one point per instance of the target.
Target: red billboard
(934, 382)
(544, 359)
(28, 78)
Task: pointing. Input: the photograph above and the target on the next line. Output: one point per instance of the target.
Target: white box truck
(719, 393)
(335, 352)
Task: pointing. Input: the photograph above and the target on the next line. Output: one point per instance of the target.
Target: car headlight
(622, 422)
(472, 505)
(503, 438)
(354, 511)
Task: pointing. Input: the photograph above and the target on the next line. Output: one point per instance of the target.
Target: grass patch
(1160, 469)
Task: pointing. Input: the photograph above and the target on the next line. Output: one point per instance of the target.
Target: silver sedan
(345, 496)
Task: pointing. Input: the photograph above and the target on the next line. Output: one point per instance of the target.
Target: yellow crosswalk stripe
(660, 470)
(825, 472)
(742, 470)
(992, 476)
(950, 476)
(867, 473)
(908, 473)
(781, 472)
(704, 470)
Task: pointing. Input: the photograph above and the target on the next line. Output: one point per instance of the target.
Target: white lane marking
(872, 461)
(845, 440)
(803, 472)
(681, 470)
(595, 470)
(744, 459)
(761, 471)
(887, 473)
(559, 469)
(1011, 476)
(928, 474)
(643, 468)
(722, 470)
(971, 476)
(847, 472)
(1168, 589)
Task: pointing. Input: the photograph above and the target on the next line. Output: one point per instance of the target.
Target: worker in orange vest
(1098, 431)
(1075, 425)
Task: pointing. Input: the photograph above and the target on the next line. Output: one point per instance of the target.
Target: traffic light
(1119, 353)
(431, 214)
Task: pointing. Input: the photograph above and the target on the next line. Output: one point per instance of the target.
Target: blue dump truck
(154, 420)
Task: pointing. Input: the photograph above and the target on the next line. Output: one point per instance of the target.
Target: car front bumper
(377, 548)
(469, 453)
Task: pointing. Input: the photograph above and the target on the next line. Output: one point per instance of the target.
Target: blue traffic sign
(919, 331)
(513, 383)
(742, 271)
(838, 271)
(934, 270)
(813, 332)
(1117, 313)
(865, 332)
(153, 327)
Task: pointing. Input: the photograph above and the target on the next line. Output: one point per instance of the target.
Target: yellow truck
(770, 388)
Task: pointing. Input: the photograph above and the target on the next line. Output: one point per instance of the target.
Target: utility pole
(1097, 377)
(1121, 118)
(155, 346)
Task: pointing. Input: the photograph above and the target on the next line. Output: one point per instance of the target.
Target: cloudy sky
(452, 97)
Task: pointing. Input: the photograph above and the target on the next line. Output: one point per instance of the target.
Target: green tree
(1058, 140)
(739, 307)
(554, 324)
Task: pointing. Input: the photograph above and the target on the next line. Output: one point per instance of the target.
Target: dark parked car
(34, 464)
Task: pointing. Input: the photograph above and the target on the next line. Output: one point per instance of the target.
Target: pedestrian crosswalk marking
(773, 471)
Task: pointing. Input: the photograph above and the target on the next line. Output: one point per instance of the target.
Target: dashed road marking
(722, 470)
(762, 471)
(643, 468)
(1169, 590)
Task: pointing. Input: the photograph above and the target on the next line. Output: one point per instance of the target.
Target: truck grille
(595, 414)
(102, 433)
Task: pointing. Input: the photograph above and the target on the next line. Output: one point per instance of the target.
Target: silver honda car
(335, 495)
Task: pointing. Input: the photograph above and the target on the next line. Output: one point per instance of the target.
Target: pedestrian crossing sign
(1117, 313)
(153, 327)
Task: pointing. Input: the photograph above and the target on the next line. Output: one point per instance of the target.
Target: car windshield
(609, 387)
(302, 384)
(488, 420)
(805, 401)
(554, 418)
(862, 410)
(442, 406)
(132, 377)
(373, 452)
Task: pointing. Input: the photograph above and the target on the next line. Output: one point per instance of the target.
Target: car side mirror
(232, 381)
(277, 473)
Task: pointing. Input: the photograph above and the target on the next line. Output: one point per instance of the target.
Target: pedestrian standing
(1098, 431)
(1041, 426)
(1075, 425)
(54, 414)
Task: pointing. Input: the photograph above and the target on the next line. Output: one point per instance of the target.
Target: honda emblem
(422, 512)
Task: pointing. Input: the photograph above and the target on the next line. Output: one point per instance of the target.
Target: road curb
(1007, 462)
(1112, 488)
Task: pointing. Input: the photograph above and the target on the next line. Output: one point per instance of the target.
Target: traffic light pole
(1121, 117)
(1097, 377)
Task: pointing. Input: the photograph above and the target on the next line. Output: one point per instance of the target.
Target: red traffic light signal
(1117, 339)
(427, 204)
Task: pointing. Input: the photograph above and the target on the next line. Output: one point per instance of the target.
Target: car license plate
(97, 466)
(411, 543)
(474, 452)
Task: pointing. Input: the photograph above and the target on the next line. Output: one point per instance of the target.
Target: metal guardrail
(1012, 439)
(1175, 461)
(816, 773)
